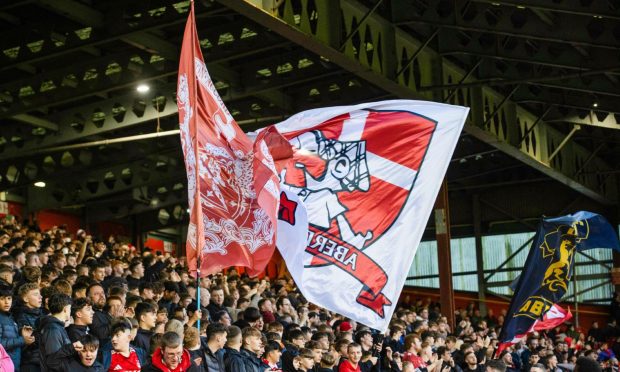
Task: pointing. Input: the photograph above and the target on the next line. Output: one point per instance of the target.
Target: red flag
(233, 188)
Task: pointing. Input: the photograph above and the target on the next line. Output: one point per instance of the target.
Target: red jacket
(157, 363)
(346, 366)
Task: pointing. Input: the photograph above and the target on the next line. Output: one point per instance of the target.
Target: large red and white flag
(233, 189)
(357, 196)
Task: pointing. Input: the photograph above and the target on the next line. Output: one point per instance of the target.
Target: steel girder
(80, 80)
(370, 55)
(36, 44)
(512, 21)
(592, 81)
(263, 79)
(149, 171)
(585, 8)
(175, 196)
(64, 165)
(521, 50)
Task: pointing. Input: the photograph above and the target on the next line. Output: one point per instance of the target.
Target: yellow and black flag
(549, 268)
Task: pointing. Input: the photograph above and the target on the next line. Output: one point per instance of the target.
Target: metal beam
(380, 68)
(571, 29)
(153, 170)
(37, 122)
(591, 120)
(113, 212)
(520, 51)
(564, 142)
(590, 10)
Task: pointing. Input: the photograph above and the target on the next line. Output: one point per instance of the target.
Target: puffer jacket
(24, 316)
(76, 332)
(251, 361)
(143, 339)
(11, 339)
(52, 337)
(213, 362)
(233, 360)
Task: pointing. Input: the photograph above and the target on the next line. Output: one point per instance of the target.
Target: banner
(356, 198)
(554, 317)
(233, 186)
(549, 268)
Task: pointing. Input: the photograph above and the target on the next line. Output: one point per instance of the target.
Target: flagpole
(197, 206)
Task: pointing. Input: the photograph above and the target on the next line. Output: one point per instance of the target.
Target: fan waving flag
(356, 198)
(233, 189)
(549, 268)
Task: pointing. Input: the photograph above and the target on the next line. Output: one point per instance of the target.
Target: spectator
(216, 339)
(80, 358)
(585, 364)
(233, 359)
(123, 356)
(251, 349)
(26, 315)
(354, 355)
(271, 356)
(216, 304)
(11, 337)
(471, 363)
(146, 315)
(537, 367)
(297, 341)
(52, 334)
(102, 321)
(82, 313)
(327, 363)
(171, 356)
(136, 269)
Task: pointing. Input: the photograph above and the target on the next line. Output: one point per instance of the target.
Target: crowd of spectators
(69, 303)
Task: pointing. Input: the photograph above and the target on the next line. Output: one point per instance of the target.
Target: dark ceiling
(542, 82)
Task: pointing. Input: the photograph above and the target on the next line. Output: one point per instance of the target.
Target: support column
(442, 233)
(479, 255)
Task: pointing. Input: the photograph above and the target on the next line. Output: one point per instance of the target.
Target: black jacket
(151, 273)
(143, 339)
(100, 328)
(233, 360)
(133, 282)
(251, 362)
(52, 337)
(25, 316)
(212, 362)
(214, 308)
(197, 356)
(11, 338)
(169, 305)
(288, 355)
(68, 360)
(75, 332)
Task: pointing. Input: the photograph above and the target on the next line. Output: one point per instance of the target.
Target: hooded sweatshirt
(157, 363)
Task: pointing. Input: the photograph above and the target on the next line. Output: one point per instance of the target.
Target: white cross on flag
(356, 198)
